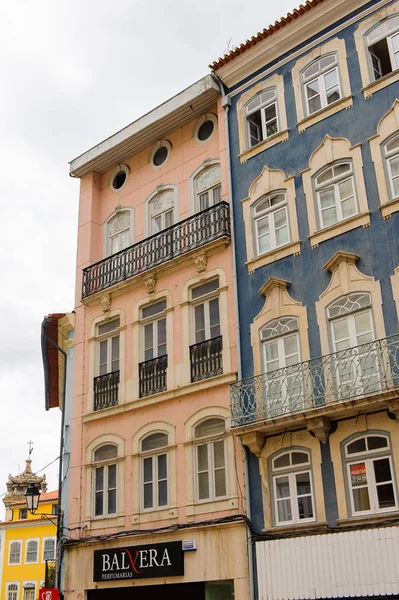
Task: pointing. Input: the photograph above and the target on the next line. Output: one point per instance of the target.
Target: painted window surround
(295, 440)
(20, 552)
(337, 46)
(268, 181)
(329, 151)
(278, 303)
(32, 562)
(193, 201)
(11, 592)
(388, 125)
(369, 85)
(232, 500)
(44, 546)
(160, 191)
(201, 121)
(276, 81)
(106, 240)
(118, 519)
(346, 278)
(170, 511)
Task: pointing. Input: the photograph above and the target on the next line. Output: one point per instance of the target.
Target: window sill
(150, 516)
(361, 220)
(275, 254)
(327, 111)
(389, 208)
(201, 508)
(369, 519)
(280, 136)
(296, 528)
(106, 522)
(376, 86)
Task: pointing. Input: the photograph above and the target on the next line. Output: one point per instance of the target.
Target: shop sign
(139, 562)
(49, 594)
(358, 473)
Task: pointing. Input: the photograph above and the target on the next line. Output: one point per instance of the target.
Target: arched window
(12, 591)
(161, 209)
(369, 473)
(391, 154)
(352, 334)
(292, 487)
(270, 216)
(321, 85)
(383, 47)
(211, 481)
(49, 549)
(207, 187)
(336, 194)
(119, 231)
(283, 378)
(105, 480)
(262, 117)
(15, 553)
(31, 551)
(154, 471)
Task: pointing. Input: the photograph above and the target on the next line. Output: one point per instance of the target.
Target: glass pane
(332, 95)
(156, 224)
(203, 486)
(210, 427)
(386, 497)
(299, 458)
(270, 112)
(202, 453)
(148, 495)
(327, 198)
(169, 219)
(108, 327)
(313, 90)
(206, 288)
(282, 461)
(382, 470)
(362, 323)
(348, 208)
(162, 493)
(263, 205)
(155, 440)
(254, 103)
(302, 484)
(305, 507)
(99, 504)
(291, 345)
(217, 194)
(161, 332)
(280, 218)
(106, 452)
(218, 452)
(199, 318)
(341, 331)
(282, 487)
(312, 70)
(148, 341)
(111, 502)
(356, 446)
(111, 476)
(220, 483)
(314, 104)
(341, 169)
(103, 357)
(327, 60)
(263, 226)
(264, 243)
(392, 145)
(394, 163)
(268, 96)
(325, 176)
(395, 183)
(271, 351)
(214, 312)
(153, 309)
(331, 79)
(99, 479)
(358, 474)
(271, 128)
(115, 354)
(147, 469)
(346, 188)
(361, 499)
(329, 217)
(282, 236)
(204, 201)
(375, 442)
(255, 128)
(284, 511)
(162, 470)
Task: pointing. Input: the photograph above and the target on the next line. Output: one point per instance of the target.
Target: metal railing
(206, 359)
(192, 233)
(152, 376)
(106, 390)
(353, 373)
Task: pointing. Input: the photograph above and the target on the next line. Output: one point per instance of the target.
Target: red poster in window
(358, 473)
(49, 594)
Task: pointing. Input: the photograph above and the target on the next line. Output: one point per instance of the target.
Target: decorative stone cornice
(338, 258)
(272, 283)
(320, 427)
(393, 408)
(255, 441)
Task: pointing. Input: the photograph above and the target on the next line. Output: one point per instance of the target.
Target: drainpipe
(226, 103)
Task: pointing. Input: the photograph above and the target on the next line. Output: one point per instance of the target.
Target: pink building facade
(157, 491)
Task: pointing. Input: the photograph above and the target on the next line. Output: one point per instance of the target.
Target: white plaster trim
(201, 121)
(126, 169)
(106, 244)
(208, 162)
(160, 190)
(158, 145)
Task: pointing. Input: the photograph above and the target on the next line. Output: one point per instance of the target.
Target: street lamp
(32, 498)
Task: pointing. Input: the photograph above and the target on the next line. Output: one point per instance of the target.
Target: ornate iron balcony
(152, 376)
(192, 233)
(360, 371)
(106, 390)
(206, 359)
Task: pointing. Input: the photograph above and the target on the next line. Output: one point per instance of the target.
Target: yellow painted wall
(32, 528)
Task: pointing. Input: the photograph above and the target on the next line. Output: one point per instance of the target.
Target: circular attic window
(119, 177)
(205, 128)
(160, 153)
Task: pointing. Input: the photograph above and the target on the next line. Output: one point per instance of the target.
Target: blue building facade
(314, 142)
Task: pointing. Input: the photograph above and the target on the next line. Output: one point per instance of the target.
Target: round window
(206, 130)
(118, 177)
(119, 180)
(160, 156)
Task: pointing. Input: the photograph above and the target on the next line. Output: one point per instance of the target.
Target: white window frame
(262, 109)
(213, 198)
(368, 457)
(387, 35)
(291, 471)
(334, 183)
(20, 552)
(108, 336)
(319, 76)
(153, 455)
(105, 464)
(120, 233)
(270, 214)
(53, 539)
(36, 541)
(12, 594)
(388, 157)
(154, 320)
(28, 586)
(209, 442)
(204, 300)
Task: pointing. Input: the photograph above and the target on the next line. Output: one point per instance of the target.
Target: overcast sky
(72, 73)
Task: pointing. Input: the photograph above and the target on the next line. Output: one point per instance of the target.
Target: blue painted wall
(377, 245)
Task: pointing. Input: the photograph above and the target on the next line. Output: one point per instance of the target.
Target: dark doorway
(170, 591)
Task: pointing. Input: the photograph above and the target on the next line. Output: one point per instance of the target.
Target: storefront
(204, 564)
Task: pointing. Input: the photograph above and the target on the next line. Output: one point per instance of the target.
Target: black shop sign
(139, 562)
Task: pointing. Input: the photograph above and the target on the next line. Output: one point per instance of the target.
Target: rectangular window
(155, 481)
(31, 551)
(23, 513)
(293, 496)
(211, 471)
(105, 490)
(371, 483)
(15, 553)
(262, 117)
(49, 549)
(152, 371)
(12, 591)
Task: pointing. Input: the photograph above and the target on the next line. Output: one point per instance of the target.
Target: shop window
(105, 481)
(369, 472)
(321, 86)
(210, 459)
(336, 195)
(270, 214)
(292, 488)
(154, 471)
(262, 117)
(15, 553)
(383, 48)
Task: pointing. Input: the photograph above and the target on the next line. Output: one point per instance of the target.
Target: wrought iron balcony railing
(206, 359)
(360, 371)
(192, 233)
(106, 390)
(152, 376)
